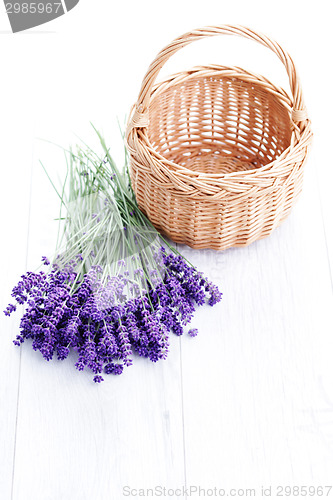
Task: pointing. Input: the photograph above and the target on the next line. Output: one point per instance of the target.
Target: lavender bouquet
(115, 287)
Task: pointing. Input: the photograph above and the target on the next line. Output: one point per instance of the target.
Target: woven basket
(217, 153)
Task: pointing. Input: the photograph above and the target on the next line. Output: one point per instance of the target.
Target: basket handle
(139, 118)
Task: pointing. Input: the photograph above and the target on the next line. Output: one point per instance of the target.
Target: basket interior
(218, 124)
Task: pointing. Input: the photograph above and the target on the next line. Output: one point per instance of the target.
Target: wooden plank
(74, 436)
(15, 182)
(258, 379)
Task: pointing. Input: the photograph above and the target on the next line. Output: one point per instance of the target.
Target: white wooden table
(249, 402)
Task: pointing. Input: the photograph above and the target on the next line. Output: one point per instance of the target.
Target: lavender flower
(114, 292)
(193, 332)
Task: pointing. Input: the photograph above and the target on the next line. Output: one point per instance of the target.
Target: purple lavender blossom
(97, 320)
(193, 332)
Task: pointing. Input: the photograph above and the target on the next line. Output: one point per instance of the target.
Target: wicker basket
(217, 153)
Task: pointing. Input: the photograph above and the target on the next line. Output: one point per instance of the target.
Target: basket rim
(299, 138)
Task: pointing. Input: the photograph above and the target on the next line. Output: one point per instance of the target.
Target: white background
(247, 403)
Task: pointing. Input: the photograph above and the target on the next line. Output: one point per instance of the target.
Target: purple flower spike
(193, 332)
(9, 309)
(78, 306)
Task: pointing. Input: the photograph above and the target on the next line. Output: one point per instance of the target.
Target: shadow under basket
(217, 153)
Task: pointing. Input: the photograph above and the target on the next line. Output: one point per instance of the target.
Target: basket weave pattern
(217, 153)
